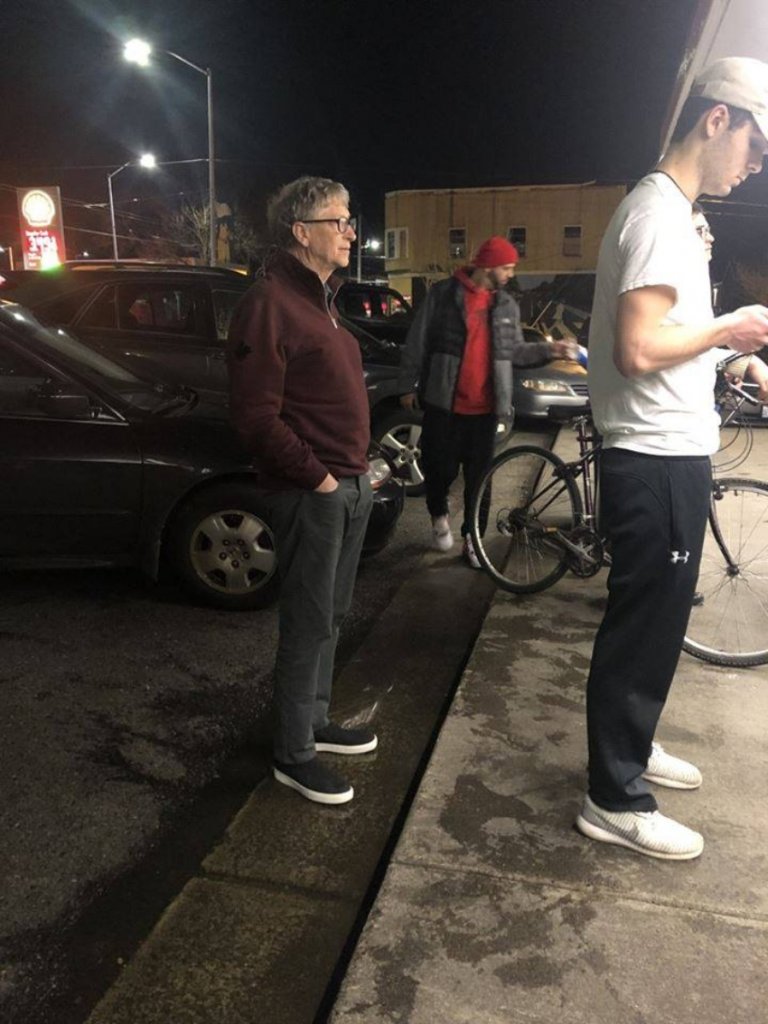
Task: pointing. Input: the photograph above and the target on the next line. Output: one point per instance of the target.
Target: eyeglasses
(343, 224)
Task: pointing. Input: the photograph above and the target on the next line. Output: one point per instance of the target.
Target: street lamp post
(147, 160)
(138, 52)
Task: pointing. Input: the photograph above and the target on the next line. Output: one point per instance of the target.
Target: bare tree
(190, 229)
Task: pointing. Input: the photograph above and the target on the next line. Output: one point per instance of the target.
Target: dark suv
(172, 321)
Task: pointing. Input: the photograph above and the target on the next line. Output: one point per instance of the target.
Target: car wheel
(399, 434)
(223, 550)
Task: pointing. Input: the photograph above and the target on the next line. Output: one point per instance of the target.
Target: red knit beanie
(495, 252)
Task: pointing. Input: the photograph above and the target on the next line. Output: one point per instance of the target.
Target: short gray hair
(299, 200)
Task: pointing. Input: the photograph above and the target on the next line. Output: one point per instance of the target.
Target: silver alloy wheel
(403, 444)
(233, 551)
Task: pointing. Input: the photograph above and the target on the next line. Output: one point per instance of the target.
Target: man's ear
(300, 233)
(716, 119)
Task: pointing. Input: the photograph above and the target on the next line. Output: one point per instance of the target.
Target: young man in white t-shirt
(652, 353)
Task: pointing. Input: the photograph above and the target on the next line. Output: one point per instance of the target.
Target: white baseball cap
(738, 81)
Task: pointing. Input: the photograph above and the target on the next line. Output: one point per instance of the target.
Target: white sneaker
(646, 832)
(666, 770)
(442, 538)
(470, 555)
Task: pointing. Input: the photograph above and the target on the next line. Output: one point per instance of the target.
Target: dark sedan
(104, 468)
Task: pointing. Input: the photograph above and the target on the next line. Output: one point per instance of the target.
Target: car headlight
(379, 472)
(546, 387)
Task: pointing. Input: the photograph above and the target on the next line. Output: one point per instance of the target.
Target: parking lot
(135, 726)
(122, 703)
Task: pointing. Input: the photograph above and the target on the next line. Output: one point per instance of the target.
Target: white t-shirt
(651, 241)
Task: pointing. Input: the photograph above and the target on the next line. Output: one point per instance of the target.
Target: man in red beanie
(458, 356)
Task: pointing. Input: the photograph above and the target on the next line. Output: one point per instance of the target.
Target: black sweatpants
(654, 513)
(451, 441)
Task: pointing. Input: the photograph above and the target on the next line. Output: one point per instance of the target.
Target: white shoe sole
(442, 545)
(603, 836)
(341, 748)
(313, 794)
(663, 780)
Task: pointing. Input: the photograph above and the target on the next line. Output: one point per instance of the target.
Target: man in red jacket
(298, 403)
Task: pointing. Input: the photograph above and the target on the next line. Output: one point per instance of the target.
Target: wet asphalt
(134, 732)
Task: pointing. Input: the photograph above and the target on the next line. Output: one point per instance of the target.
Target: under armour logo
(678, 556)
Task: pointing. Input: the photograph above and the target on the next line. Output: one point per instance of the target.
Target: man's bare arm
(644, 344)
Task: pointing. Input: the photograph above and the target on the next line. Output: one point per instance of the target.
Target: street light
(137, 51)
(146, 160)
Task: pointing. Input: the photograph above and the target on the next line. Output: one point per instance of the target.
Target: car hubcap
(404, 446)
(233, 551)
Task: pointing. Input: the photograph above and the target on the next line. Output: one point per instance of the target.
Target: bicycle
(532, 523)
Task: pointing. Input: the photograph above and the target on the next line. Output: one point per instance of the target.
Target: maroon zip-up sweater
(297, 393)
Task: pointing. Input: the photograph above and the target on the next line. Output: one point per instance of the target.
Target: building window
(457, 243)
(396, 243)
(517, 237)
(572, 240)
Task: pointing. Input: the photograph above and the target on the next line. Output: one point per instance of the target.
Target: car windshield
(146, 395)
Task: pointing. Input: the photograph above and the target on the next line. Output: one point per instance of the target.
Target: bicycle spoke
(728, 626)
(527, 498)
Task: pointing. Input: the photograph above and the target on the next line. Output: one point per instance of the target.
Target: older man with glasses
(299, 404)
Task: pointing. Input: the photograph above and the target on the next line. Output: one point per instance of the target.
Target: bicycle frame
(589, 450)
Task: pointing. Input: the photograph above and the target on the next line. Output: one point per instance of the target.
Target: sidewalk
(494, 909)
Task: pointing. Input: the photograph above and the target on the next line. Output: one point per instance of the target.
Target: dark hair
(297, 200)
(696, 106)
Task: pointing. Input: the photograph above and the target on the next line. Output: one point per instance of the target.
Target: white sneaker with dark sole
(314, 781)
(673, 772)
(647, 832)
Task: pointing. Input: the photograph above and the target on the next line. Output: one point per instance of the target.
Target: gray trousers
(319, 538)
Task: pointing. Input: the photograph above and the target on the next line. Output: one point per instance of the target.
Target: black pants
(449, 442)
(319, 538)
(654, 513)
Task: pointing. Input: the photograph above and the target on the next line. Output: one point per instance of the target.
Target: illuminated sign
(42, 227)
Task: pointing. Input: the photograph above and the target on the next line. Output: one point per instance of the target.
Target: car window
(224, 303)
(357, 303)
(373, 303)
(64, 309)
(102, 312)
(394, 305)
(19, 380)
(157, 307)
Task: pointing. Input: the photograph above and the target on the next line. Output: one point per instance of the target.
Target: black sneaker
(335, 739)
(314, 781)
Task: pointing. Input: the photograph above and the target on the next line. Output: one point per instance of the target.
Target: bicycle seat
(566, 413)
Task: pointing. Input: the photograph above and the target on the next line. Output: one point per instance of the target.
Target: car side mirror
(63, 404)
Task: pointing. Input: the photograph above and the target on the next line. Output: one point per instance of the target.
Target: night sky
(381, 95)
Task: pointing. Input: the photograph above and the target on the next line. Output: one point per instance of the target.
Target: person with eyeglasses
(299, 404)
(702, 229)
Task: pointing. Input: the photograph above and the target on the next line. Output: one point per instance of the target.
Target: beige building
(555, 228)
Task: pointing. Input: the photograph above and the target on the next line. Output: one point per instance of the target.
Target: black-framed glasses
(343, 224)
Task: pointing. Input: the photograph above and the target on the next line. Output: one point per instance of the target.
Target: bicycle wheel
(729, 619)
(526, 495)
